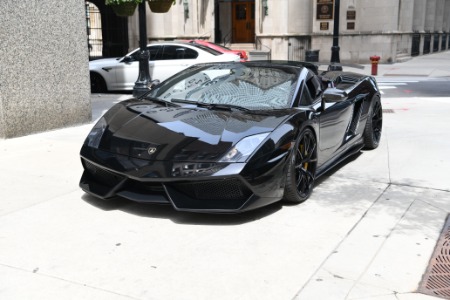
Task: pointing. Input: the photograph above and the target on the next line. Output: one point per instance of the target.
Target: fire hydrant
(374, 60)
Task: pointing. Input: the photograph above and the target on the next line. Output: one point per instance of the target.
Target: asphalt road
(414, 87)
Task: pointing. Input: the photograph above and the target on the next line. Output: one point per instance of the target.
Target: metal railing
(227, 39)
(94, 31)
(259, 45)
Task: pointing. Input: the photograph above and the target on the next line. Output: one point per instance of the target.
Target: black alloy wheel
(374, 125)
(301, 171)
(98, 84)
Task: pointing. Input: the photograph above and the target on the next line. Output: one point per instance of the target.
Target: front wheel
(301, 171)
(98, 84)
(374, 125)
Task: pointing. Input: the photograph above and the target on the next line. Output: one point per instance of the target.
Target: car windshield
(250, 86)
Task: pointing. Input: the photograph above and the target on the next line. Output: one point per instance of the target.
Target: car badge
(151, 150)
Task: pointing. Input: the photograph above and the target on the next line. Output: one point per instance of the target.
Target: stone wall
(44, 76)
(291, 27)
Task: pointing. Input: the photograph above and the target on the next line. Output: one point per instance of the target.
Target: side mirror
(153, 83)
(127, 59)
(333, 95)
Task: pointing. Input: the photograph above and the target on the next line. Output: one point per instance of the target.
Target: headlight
(244, 148)
(94, 137)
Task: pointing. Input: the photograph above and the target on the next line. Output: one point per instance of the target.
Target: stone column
(419, 15)
(44, 75)
(419, 21)
(406, 11)
(430, 15)
(439, 22)
(446, 23)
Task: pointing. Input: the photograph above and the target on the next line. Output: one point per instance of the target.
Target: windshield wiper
(164, 102)
(183, 101)
(222, 106)
(212, 105)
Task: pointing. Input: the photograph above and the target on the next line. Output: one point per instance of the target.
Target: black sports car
(231, 137)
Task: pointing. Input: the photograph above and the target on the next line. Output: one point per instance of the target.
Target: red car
(242, 53)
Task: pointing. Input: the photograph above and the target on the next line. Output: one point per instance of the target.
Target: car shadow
(337, 167)
(150, 210)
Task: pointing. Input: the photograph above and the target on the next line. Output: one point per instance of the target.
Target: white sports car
(166, 59)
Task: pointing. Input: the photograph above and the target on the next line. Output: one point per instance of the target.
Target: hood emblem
(151, 150)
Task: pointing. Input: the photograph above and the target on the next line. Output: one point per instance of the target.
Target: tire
(374, 125)
(98, 84)
(301, 170)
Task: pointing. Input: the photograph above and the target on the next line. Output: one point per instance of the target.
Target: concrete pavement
(431, 65)
(367, 232)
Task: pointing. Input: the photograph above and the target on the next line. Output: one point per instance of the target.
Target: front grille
(101, 175)
(226, 194)
(146, 187)
(231, 189)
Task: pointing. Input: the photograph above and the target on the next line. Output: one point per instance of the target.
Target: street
(414, 87)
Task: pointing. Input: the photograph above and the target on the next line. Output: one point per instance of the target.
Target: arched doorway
(107, 33)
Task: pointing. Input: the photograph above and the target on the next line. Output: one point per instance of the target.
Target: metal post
(217, 33)
(335, 49)
(141, 85)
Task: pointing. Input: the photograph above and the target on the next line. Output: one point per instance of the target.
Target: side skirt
(350, 152)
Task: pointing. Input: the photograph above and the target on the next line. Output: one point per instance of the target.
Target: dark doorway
(427, 43)
(415, 48)
(436, 42)
(111, 38)
(444, 42)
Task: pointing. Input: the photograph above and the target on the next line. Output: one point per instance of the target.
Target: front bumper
(199, 187)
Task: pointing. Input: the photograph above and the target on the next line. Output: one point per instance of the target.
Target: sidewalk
(430, 65)
(367, 232)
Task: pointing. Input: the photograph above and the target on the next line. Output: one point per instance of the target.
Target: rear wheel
(301, 171)
(98, 84)
(374, 125)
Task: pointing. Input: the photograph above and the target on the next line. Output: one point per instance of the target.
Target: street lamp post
(335, 48)
(141, 85)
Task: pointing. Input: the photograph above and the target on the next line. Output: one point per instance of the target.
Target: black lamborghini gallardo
(231, 137)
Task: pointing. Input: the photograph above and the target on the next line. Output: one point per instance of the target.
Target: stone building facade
(44, 75)
(286, 29)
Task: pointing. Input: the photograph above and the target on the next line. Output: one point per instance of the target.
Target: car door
(173, 59)
(334, 118)
(127, 72)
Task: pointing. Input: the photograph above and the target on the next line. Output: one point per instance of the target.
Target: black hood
(146, 130)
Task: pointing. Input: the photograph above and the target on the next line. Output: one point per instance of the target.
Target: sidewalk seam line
(66, 280)
(342, 240)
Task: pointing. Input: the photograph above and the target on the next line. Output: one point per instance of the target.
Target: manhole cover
(436, 280)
